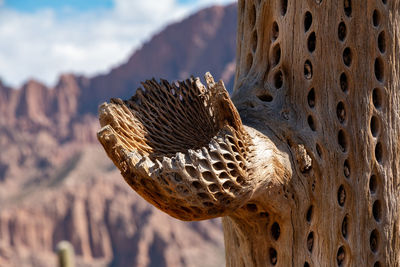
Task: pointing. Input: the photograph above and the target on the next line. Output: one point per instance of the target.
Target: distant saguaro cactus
(65, 252)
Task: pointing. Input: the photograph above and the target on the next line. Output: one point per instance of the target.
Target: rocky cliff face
(56, 182)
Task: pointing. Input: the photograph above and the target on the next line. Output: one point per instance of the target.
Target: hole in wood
(311, 123)
(275, 231)
(347, 7)
(319, 150)
(341, 256)
(377, 210)
(373, 184)
(377, 98)
(273, 256)
(377, 264)
(310, 241)
(374, 240)
(341, 112)
(345, 225)
(374, 126)
(384, 2)
(307, 21)
(347, 56)
(213, 188)
(344, 84)
(275, 31)
(342, 31)
(382, 42)
(341, 196)
(378, 152)
(265, 97)
(278, 79)
(311, 42)
(276, 55)
(308, 71)
(251, 207)
(249, 62)
(346, 168)
(311, 98)
(254, 41)
(376, 18)
(379, 69)
(196, 185)
(191, 171)
(306, 264)
(284, 5)
(218, 166)
(309, 213)
(208, 176)
(252, 16)
(342, 140)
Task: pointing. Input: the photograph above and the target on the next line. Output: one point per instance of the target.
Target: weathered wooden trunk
(312, 179)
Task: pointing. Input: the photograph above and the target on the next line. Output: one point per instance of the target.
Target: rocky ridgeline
(57, 184)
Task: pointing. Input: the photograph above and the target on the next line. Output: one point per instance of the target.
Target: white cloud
(44, 44)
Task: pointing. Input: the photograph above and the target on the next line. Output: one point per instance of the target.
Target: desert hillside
(56, 182)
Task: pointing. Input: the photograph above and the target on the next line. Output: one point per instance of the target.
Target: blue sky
(40, 39)
(81, 5)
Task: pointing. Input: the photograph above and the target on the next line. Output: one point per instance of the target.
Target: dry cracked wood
(313, 177)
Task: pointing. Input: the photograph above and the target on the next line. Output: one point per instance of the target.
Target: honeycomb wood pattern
(311, 178)
(181, 146)
(325, 75)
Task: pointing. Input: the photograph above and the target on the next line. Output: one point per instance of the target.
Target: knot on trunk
(181, 146)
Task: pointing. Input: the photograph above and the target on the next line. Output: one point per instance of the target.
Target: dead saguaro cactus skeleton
(308, 174)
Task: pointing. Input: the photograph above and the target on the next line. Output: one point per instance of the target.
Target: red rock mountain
(57, 184)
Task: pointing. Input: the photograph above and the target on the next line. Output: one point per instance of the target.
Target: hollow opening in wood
(310, 241)
(341, 256)
(278, 79)
(377, 210)
(265, 97)
(374, 240)
(341, 112)
(311, 123)
(275, 31)
(346, 168)
(311, 98)
(344, 84)
(308, 70)
(374, 126)
(373, 184)
(275, 231)
(342, 31)
(284, 6)
(376, 18)
(252, 16)
(273, 256)
(347, 57)
(379, 152)
(347, 7)
(341, 195)
(379, 69)
(276, 54)
(309, 213)
(254, 41)
(307, 21)
(345, 225)
(377, 98)
(382, 42)
(311, 42)
(342, 140)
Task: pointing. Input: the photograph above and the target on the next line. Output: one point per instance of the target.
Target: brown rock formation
(48, 189)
